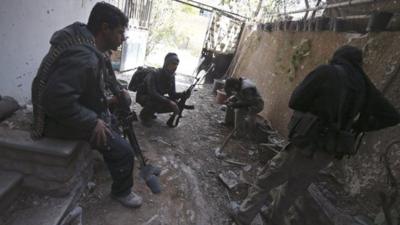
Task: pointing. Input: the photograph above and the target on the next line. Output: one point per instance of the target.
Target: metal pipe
(196, 6)
(354, 17)
(211, 8)
(218, 9)
(335, 5)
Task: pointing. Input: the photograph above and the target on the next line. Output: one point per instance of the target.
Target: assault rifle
(148, 172)
(173, 121)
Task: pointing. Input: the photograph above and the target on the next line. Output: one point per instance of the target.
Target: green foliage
(189, 9)
(166, 26)
(161, 24)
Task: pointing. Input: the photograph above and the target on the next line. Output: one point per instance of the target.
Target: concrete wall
(26, 28)
(269, 58)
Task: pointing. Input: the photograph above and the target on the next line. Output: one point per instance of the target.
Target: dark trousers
(295, 170)
(118, 155)
(151, 106)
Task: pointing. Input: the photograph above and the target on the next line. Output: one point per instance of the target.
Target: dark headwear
(349, 53)
(350, 58)
(170, 58)
(232, 84)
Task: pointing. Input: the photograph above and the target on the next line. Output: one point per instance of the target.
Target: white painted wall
(25, 30)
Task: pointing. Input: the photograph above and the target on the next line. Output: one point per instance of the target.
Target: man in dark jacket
(243, 104)
(341, 96)
(151, 96)
(68, 93)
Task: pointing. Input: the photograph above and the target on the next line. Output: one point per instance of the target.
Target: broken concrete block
(229, 178)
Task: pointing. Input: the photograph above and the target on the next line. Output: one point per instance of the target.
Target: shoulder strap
(341, 72)
(40, 81)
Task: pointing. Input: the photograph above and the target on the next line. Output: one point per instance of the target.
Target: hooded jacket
(320, 93)
(248, 96)
(160, 82)
(73, 95)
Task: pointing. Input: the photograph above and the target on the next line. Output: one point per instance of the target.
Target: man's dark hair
(103, 12)
(232, 83)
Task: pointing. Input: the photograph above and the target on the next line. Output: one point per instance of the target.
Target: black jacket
(74, 95)
(157, 84)
(320, 93)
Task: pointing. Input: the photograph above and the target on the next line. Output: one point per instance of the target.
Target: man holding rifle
(68, 93)
(151, 96)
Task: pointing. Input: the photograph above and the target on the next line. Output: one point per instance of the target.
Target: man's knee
(117, 148)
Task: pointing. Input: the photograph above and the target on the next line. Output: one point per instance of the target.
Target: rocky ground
(198, 186)
(192, 190)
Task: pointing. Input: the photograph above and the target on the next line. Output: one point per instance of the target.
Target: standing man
(332, 104)
(151, 95)
(243, 104)
(68, 93)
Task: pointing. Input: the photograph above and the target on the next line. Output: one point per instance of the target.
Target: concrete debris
(211, 172)
(91, 186)
(229, 178)
(364, 220)
(230, 161)
(257, 220)
(163, 172)
(247, 168)
(151, 220)
(9, 124)
(243, 179)
(73, 218)
(273, 139)
(28, 108)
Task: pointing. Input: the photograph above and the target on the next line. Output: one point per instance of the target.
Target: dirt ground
(192, 192)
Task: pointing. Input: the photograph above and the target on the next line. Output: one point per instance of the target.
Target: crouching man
(68, 93)
(158, 83)
(243, 104)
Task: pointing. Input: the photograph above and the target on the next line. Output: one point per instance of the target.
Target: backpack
(137, 80)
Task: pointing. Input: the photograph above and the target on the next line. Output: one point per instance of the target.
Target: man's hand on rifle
(100, 133)
(186, 94)
(231, 101)
(174, 106)
(115, 100)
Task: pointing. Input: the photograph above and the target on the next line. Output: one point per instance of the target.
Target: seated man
(68, 93)
(151, 96)
(244, 103)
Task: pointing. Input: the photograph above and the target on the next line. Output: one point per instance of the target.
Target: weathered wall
(26, 28)
(269, 59)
